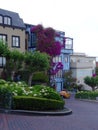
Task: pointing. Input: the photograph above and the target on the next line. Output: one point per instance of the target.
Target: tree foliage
(36, 62)
(68, 79)
(97, 71)
(91, 81)
(15, 62)
(47, 42)
(4, 50)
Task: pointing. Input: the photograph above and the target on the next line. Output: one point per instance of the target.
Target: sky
(77, 18)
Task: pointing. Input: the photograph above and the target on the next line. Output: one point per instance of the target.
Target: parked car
(65, 94)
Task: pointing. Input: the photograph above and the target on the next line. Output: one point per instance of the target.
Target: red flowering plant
(94, 75)
(46, 41)
(37, 29)
(56, 67)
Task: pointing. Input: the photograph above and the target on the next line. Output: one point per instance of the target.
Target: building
(63, 58)
(31, 38)
(12, 32)
(81, 66)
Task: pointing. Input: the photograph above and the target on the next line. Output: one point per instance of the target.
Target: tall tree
(91, 81)
(14, 59)
(4, 50)
(35, 62)
(15, 63)
(68, 79)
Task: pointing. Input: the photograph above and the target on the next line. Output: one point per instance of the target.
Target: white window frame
(15, 41)
(3, 38)
(2, 62)
(7, 20)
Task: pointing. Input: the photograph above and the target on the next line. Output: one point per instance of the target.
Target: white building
(81, 66)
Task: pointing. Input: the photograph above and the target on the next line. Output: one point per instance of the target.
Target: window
(1, 19)
(2, 61)
(7, 20)
(33, 40)
(57, 59)
(15, 41)
(3, 38)
(69, 43)
(66, 59)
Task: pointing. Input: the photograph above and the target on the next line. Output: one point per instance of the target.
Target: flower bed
(21, 95)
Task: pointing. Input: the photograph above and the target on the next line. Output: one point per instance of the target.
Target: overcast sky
(77, 18)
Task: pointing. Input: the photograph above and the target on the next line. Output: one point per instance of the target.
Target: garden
(18, 95)
(18, 89)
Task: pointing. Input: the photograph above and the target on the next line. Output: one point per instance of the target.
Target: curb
(88, 100)
(65, 111)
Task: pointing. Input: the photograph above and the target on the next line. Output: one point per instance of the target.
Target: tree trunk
(12, 75)
(30, 79)
(93, 88)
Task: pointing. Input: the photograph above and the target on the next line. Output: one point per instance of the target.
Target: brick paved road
(84, 117)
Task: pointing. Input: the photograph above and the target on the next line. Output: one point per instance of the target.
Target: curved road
(84, 117)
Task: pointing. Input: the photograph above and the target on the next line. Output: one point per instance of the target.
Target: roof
(16, 20)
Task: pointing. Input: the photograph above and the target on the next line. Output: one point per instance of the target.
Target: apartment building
(82, 66)
(12, 30)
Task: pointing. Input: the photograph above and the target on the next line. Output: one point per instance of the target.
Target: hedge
(87, 95)
(34, 103)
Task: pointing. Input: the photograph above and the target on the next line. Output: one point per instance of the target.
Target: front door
(59, 86)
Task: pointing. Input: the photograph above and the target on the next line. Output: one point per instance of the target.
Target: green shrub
(40, 94)
(5, 97)
(46, 92)
(87, 95)
(32, 103)
(40, 77)
(2, 81)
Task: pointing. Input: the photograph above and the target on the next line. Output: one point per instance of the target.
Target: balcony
(68, 43)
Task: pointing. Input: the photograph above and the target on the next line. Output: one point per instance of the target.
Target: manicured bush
(35, 103)
(87, 95)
